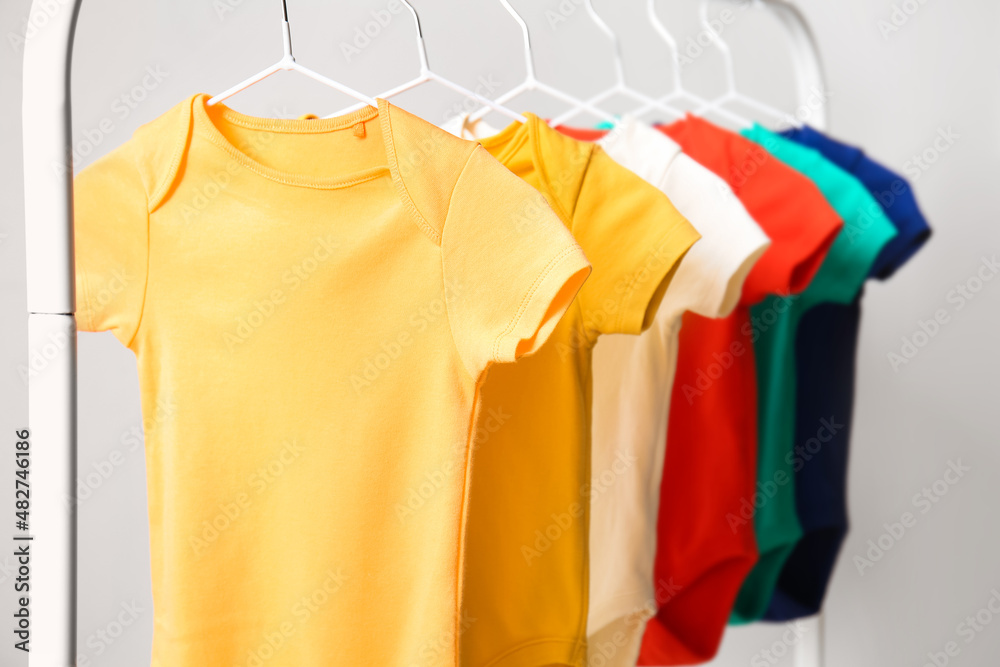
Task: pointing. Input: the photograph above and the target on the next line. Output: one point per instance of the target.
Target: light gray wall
(892, 92)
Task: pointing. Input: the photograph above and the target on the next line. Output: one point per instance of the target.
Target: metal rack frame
(48, 210)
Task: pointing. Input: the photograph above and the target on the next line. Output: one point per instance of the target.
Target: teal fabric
(775, 322)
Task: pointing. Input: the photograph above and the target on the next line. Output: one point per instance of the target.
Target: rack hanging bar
(51, 536)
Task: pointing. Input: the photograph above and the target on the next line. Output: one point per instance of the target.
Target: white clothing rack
(48, 212)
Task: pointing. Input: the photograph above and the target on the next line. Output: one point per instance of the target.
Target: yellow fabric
(319, 302)
(526, 578)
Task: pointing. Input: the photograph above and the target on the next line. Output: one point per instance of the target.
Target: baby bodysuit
(633, 378)
(321, 301)
(826, 347)
(526, 569)
(775, 324)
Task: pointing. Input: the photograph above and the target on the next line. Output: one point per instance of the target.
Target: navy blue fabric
(891, 190)
(825, 357)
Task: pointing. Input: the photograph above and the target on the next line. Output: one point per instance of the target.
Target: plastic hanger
(679, 92)
(531, 82)
(732, 94)
(426, 75)
(620, 87)
(288, 63)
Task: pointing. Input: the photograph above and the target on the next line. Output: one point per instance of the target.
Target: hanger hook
(675, 53)
(421, 44)
(615, 43)
(286, 32)
(662, 31)
(727, 53)
(528, 57)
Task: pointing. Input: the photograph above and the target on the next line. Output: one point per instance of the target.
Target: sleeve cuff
(544, 305)
(650, 282)
(733, 272)
(903, 252)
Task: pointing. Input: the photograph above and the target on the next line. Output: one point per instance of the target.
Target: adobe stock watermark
(920, 163)
(364, 35)
(607, 315)
(562, 12)
(273, 641)
(695, 47)
(441, 648)
(420, 320)
(121, 108)
(42, 13)
(418, 496)
(224, 8)
(781, 647)
(131, 441)
(664, 591)
(486, 86)
(900, 15)
(602, 653)
(40, 358)
(957, 299)
(968, 630)
(798, 458)
(218, 182)
(256, 484)
(923, 502)
(102, 639)
(545, 537)
(759, 323)
(264, 308)
(489, 422)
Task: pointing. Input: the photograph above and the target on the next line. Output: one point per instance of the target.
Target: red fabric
(711, 462)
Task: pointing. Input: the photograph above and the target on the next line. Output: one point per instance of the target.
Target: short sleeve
(793, 213)
(111, 236)
(896, 197)
(519, 265)
(634, 237)
(710, 280)
(866, 232)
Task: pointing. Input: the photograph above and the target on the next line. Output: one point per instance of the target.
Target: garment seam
(153, 199)
(145, 287)
(281, 125)
(402, 192)
(464, 516)
(444, 271)
(536, 151)
(213, 134)
(535, 642)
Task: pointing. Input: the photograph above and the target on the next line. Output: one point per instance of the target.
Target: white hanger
(679, 92)
(288, 63)
(531, 82)
(427, 75)
(732, 94)
(620, 87)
